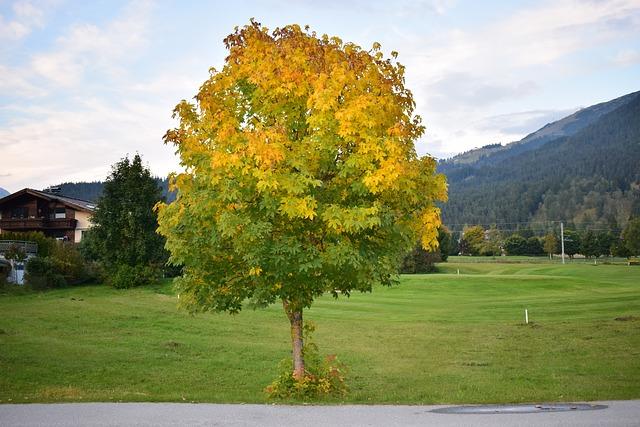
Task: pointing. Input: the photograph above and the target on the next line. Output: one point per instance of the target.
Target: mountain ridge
(566, 126)
(582, 168)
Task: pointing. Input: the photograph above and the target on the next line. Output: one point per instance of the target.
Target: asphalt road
(618, 413)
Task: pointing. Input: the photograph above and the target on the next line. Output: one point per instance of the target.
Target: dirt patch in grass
(472, 363)
(627, 318)
(172, 345)
(61, 393)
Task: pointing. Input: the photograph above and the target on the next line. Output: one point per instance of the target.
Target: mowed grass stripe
(440, 338)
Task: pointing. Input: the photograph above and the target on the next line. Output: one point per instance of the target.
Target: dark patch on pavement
(518, 409)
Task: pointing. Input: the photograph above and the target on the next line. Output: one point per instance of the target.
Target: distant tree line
(478, 241)
(92, 191)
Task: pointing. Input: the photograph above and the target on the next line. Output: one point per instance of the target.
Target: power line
(524, 223)
(520, 229)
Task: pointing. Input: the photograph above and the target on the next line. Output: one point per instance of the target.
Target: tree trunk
(295, 319)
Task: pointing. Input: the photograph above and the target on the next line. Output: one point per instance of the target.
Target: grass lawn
(440, 338)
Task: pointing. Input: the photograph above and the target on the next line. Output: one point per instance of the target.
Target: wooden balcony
(24, 224)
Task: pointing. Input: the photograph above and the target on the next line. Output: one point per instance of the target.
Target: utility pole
(562, 239)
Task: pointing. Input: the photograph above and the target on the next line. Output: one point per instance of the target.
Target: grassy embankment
(433, 339)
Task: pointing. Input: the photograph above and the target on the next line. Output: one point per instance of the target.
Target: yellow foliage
(255, 271)
(299, 139)
(430, 221)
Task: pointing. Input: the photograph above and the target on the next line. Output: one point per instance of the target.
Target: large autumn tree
(300, 176)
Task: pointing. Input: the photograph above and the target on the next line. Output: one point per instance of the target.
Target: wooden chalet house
(56, 216)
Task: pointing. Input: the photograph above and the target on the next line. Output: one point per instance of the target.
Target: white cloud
(460, 78)
(627, 57)
(103, 50)
(14, 82)
(467, 82)
(81, 143)
(80, 134)
(27, 17)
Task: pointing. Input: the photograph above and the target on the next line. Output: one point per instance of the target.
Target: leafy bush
(419, 261)
(534, 246)
(46, 244)
(63, 266)
(515, 245)
(70, 263)
(126, 276)
(3, 277)
(422, 261)
(323, 377)
(44, 273)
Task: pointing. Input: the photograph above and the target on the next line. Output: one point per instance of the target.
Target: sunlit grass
(437, 338)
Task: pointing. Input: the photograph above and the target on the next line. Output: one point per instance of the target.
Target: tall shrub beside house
(123, 237)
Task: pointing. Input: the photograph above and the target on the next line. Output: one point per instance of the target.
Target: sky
(84, 84)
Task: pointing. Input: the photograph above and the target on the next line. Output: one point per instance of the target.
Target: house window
(20, 213)
(60, 213)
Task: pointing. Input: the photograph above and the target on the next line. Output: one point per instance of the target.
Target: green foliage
(44, 273)
(420, 261)
(15, 253)
(454, 248)
(571, 243)
(124, 230)
(444, 243)
(473, 240)
(604, 243)
(619, 249)
(90, 246)
(4, 273)
(64, 266)
(492, 244)
(323, 377)
(125, 276)
(515, 245)
(550, 244)
(589, 244)
(534, 246)
(92, 191)
(525, 232)
(301, 174)
(45, 244)
(631, 236)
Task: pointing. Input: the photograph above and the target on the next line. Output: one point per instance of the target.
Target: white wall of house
(84, 223)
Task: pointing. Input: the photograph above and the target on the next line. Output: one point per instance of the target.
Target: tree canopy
(301, 176)
(631, 236)
(124, 223)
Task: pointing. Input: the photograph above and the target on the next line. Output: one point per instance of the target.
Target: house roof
(77, 204)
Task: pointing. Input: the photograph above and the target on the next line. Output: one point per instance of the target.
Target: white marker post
(526, 316)
(562, 240)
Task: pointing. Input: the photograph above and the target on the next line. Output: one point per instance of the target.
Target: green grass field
(440, 338)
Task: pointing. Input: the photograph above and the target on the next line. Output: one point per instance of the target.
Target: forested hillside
(584, 169)
(93, 190)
